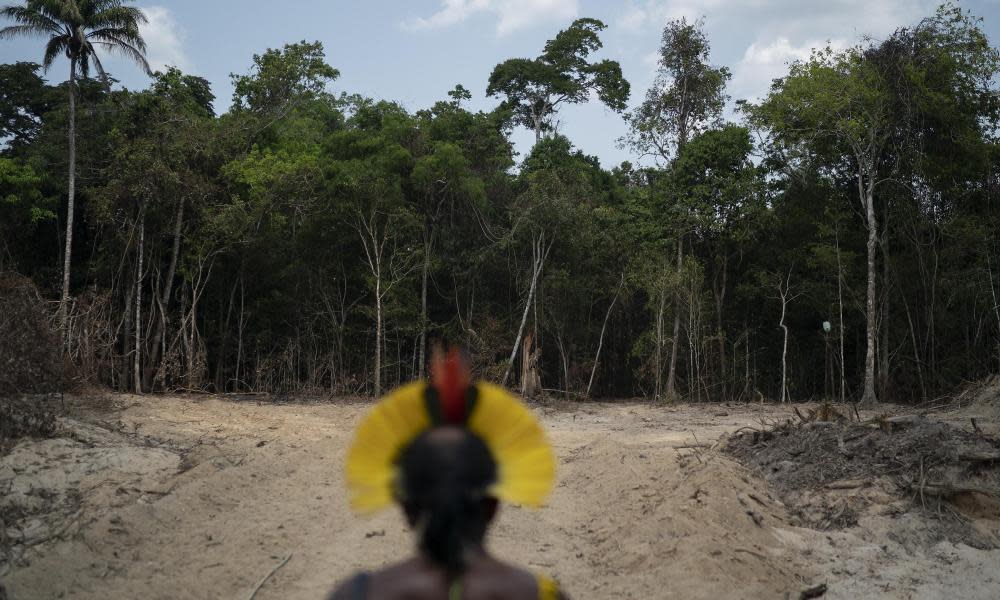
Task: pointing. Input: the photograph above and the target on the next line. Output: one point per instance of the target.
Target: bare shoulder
(342, 591)
(408, 579)
(488, 578)
(503, 580)
(351, 588)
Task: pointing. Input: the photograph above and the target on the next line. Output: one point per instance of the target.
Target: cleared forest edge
(202, 497)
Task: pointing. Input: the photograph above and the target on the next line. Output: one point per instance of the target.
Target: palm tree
(76, 29)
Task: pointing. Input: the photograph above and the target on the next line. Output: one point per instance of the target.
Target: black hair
(445, 475)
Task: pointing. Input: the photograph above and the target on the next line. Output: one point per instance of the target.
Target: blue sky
(415, 51)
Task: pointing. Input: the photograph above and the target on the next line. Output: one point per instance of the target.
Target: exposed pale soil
(201, 497)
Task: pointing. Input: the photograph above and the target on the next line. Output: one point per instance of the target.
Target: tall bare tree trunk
(672, 372)
(564, 358)
(378, 333)
(600, 340)
(840, 305)
(784, 292)
(658, 360)
(720, 298)
(70, 201)
(428, 244)
(883, 346)
(869, 398)
(138, 305)
(168, 286)
(539, 252)
(996, 303)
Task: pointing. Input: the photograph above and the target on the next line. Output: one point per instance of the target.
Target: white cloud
(512, 14)
(867, 16)
(763, 62)
(656, 13)
(164, 40)
(758, 38)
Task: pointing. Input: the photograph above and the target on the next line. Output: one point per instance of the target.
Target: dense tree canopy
(535, 88)
(311, 239)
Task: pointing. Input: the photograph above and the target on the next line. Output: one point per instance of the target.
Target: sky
(415, 51)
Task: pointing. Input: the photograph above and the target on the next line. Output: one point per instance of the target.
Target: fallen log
(979, 456)
(947, 490)
(846, 484)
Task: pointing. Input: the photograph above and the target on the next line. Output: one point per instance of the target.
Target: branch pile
(31, 359)
(910, 458)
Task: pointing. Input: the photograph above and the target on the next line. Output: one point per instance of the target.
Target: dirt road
(195, 497)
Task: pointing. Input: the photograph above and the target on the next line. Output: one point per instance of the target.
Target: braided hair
(445, 474)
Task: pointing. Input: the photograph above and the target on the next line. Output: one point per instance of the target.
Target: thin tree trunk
(239, 333)
(137, 359)
(565, 364)
(126, 331)
(658, 362)
(537, 121)
(996, 303)
(168, 286)
(672, 372)
(600, 340)
(840, 305)
(883, 367)
(539, 253)
(428, 244)
(71, 193)
(378, 332)
(784, 293)
(192, 340)
(869, 398)
(916, 351)
(720, 299)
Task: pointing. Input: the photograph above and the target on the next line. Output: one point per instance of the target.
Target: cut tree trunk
(539, 252)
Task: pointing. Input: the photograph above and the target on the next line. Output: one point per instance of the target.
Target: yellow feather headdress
(524, 458)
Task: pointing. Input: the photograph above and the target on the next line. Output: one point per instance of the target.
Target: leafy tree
(158, 170)
(535, 88)
(24, 99)
(76, 28)
(282, 78)
(865, 115)
(687, 96)
(722, 192)
(22, 208)
(443, 178)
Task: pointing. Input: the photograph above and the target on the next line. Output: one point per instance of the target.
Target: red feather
(450, 377)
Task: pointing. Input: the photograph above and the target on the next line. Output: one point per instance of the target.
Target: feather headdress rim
(525, 460)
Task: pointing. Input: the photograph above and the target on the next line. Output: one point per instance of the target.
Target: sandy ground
(199, 497)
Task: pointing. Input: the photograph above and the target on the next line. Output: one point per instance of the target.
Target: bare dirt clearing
(199, 497)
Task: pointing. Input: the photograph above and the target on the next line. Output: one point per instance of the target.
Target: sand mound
(48, 485)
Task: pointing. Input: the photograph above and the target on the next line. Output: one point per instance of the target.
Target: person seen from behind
(447, 452)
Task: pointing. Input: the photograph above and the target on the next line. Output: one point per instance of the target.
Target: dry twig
(261, 583)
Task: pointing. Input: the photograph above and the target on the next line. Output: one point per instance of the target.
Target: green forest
(838, 238)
